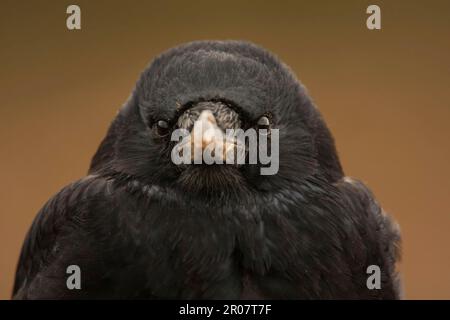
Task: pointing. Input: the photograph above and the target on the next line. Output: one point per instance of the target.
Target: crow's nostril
(221, 114)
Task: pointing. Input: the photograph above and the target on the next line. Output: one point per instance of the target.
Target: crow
(140, 226)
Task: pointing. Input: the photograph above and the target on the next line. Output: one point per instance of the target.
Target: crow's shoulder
(68, 221)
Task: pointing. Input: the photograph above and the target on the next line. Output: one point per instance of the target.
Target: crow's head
(202, 89)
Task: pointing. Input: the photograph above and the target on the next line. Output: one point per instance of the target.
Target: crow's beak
(207, 136)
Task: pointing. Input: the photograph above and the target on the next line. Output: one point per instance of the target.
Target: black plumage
(141, 227)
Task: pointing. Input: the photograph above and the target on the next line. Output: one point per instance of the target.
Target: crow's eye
(162, 127)
(263, 122)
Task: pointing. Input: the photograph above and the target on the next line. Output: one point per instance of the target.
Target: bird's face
(212, 128)
(204, 89)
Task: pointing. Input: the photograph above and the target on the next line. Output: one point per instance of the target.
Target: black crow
(141, 226)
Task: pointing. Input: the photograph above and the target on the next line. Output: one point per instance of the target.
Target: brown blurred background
(385, 95)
